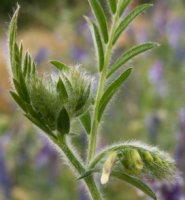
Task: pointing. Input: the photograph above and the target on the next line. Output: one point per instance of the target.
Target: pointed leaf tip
(100, 17)
(59, 65)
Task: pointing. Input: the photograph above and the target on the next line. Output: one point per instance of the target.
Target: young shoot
(51, 103)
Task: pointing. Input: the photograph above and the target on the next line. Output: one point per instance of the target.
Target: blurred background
(150, 107)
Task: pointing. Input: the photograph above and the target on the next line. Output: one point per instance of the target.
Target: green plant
(51, 103)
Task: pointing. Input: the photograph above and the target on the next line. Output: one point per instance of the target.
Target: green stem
(78, 166)
(95, 125)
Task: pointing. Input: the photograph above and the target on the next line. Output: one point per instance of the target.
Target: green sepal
(111, 90)
(135, 182)
(85, 119)
(97, 43)
(59, 65)
(128, 19)
(129, 54)
(63, 122)
(62, 90)
(100, 17)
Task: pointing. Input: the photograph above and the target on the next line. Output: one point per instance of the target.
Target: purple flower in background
(5, 182)
(180, 149)
(165, 191)
(174, 31)
(41, 55)
(156, 77)
(152, 125)
(48, 157)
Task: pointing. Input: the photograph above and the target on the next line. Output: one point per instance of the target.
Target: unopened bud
(136, 158)
(132, 161)
(157, 160)
(148, 157)
(107, 168)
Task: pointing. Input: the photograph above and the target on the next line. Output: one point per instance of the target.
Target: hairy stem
(95, 125)
(78, 166)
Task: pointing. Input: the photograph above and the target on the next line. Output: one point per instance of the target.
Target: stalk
(101, 86)
(79, 167)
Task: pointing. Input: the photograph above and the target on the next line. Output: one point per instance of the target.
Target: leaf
(21, 89)
(130, 53)
(25, 64)
(19, 101)
(112, 5)
(135, 182)
(62, 90)
(86, 121)
(123, 6)
(59, 65)
(100, 17)
(128, 19)
(12, 37)
(111, 91)
(97, 43)
(63, 122)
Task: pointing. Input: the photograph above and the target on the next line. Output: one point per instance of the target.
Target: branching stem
(78, 166)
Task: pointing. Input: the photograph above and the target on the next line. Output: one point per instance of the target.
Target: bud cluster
(141, 161)
(49, 95)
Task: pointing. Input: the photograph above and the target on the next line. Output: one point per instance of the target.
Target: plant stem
(78, 166)
(95, 125)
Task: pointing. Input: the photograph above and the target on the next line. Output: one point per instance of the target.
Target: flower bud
(107, 168)
(132, 161)
(157, 160)
(148, 157)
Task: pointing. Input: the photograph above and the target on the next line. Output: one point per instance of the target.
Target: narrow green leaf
(100, 17)
(59, 65)
(97, 43)
(21, 89)
(86, 121)
(63, 122)
(33, 69)
(112, 5)
(17, 61)
(29, 66)
(129, 54)
(19, 101)
(123, 6)
(25, 65)
(21, 51)
(111, 90)
(135, 182)
(128, 19)
(12, 37)
(62, 90)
